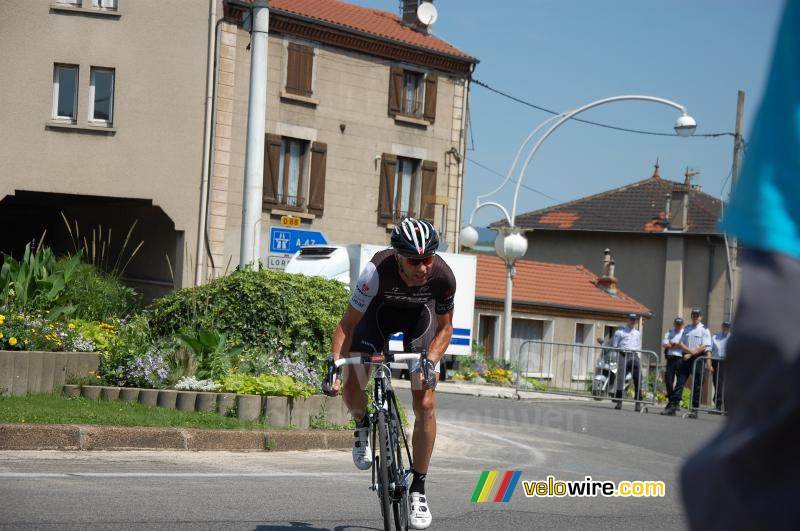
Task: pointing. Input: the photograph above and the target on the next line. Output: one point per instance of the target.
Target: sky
(563, 54)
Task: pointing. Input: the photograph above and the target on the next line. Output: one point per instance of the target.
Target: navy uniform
(674, 353)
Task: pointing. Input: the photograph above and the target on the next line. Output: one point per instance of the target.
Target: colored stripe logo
(495, 486)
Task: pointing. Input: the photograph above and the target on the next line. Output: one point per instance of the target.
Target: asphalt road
(322, 490)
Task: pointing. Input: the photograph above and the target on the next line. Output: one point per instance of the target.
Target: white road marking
(538, 455)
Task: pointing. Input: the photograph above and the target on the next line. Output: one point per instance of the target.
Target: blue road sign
(289, 241)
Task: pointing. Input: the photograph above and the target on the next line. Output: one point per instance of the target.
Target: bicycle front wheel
(400, 501)
(384, 464)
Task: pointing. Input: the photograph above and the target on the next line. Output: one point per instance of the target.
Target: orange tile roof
(366, 20)
(566, 286)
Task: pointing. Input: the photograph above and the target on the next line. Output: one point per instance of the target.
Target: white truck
(345, 262)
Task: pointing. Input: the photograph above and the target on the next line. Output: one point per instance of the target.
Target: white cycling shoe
(419, 514)
(362, 451)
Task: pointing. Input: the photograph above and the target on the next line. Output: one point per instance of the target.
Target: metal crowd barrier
(717, 377)
(585, 371)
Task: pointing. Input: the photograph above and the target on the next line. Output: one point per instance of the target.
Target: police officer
(674, 353)
(717, 365)
(696, 346)
(629, 341)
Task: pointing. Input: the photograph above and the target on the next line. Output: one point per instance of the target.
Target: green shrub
(98, 296)
(265, 385)
(275, 311)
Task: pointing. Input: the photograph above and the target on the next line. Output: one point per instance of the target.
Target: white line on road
(538, 455)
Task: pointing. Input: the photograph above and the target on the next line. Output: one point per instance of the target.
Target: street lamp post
(510, 244)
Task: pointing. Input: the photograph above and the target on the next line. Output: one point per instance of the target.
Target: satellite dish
(427, 14)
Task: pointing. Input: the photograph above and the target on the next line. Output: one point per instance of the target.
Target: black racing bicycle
(390, 479)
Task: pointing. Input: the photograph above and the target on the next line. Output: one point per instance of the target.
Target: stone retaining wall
(30, 371)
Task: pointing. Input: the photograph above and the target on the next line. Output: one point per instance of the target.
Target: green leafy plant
(37, 281)
(98, 296)
(212, 353)
(265, 385)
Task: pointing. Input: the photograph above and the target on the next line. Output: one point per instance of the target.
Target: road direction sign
(289, 241)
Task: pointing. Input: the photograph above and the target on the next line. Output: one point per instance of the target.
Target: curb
(489, 391)
(80, 437)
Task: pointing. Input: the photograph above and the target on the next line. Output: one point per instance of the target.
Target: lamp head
(510, 246)
(685, 125)
(469, 236)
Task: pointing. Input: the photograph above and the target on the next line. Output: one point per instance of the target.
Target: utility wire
(625, 129)
(476, 163)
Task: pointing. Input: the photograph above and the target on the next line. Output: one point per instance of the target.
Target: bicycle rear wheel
(383, 462)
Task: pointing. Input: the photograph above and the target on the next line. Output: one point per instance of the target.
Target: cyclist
(407, 289)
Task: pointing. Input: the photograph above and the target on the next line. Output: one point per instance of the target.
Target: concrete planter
(109, 393)
(30, 371)
(129, 394)
(206, 402)
(167, 398)
(148, 397)
(302, 409)
(226, 404)
(248, 407)
(91, 392)
(72, 390)
(276, 411)
(186, 400)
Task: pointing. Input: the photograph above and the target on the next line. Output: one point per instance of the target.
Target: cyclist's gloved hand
(330, 385)
(429, 375)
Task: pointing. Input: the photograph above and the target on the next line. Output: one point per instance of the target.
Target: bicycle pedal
(373, 488)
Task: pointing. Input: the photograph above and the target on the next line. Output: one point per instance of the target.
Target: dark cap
(726, 323)
(632, 316)
(678, 320)
(697, 311)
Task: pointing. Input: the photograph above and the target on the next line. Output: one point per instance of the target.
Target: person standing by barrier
(674, 353)
(717, 365)
(629, 342)
(696, 345)
(746, 477)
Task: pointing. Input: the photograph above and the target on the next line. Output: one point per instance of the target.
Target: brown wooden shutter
(428, 207)
(272, 153)
(386, 188)
(395, 90)
(299, 69)
(431, 88)
(316, 190)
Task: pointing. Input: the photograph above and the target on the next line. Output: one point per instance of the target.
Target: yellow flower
(71, 326)
(12, 341)
(1, 335)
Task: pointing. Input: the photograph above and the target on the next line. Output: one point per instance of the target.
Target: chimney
(679, 205)
(409, 15)
(608, 282)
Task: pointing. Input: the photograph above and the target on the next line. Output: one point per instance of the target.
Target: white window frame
(106, 5)
(75, 3)
(92, 119)
(547, 337)
(588, 343)
(56, 87)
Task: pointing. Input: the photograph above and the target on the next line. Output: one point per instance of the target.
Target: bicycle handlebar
(368, 359)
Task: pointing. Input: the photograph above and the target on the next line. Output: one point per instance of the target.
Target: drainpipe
(250, 246)
(711, 252)
(462, 164)
(207, 142)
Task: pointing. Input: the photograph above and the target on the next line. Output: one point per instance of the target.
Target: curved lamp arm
(490, 203)
(516, 159)
(566, 116)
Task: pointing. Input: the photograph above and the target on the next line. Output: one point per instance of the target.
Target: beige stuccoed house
(107, 117)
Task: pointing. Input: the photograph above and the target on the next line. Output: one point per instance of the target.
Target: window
(412, 94)
(105, 4)
(101, 95)
(294, 174)
(300, 70)
(487, 332)
(534, 357)
(583, 356)
(407, 188)
(290, 172)
(65, 92)
(76, 3)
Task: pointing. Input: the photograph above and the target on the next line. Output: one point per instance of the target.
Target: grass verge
(57, 409)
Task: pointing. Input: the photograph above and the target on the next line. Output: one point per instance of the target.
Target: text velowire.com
(589, 488)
